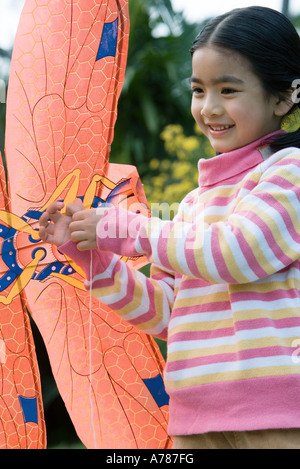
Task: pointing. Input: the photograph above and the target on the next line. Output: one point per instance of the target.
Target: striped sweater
(224, 291)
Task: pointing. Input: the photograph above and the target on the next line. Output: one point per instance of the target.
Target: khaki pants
(260, 439)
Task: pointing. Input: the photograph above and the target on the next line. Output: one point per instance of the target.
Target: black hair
(271, 44)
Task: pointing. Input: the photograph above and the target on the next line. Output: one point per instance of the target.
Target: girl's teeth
(224, 127)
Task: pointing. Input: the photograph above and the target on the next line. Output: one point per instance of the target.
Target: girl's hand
(84, 228)
(54, 226)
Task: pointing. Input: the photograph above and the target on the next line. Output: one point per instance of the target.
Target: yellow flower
(154, 164)
(190, 143)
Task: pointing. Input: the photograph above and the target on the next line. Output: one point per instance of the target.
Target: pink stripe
(289, 226)
(267, 322)
(105, 282)
(218, 257)
(265, 296)
(283, 183)
(186, 284)
(218, 201)
(274, 247)
(152, 310)
(239, 326)
(288, 161)
(248, 254)
(249, 185)
(229, 357)
(128, 295)
(162, 244)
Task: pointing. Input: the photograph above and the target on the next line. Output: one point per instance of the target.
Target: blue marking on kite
(35, 214)
(29, 407)
(9, 257)
(109, 39)
(54, 267)
(157, 389)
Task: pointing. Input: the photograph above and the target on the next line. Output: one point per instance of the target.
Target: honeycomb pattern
(61, 112)
(19, 374)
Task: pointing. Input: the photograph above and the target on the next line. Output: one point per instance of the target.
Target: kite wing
(67, 72)
(21, 409)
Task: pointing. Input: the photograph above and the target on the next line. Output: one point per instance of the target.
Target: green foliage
(173, 177)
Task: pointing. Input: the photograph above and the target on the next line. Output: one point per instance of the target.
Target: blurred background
(154, 131)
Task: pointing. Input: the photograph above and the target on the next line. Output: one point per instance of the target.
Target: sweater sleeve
(144, 302)
(261, 235)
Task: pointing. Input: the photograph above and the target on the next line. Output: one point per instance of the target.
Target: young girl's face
(229, 103)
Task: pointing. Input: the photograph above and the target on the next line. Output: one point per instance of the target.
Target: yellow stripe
(264, 342)
(252, 241)
(234, 376)
(200, 300)
(201, 326)
(230, 260)
(199, 255)
(263, 313)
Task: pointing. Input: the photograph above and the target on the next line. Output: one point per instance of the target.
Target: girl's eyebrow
(221, 79)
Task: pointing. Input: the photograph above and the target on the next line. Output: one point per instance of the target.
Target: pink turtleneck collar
(227, 165)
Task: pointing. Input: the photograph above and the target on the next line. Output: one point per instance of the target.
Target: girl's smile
(229, 103)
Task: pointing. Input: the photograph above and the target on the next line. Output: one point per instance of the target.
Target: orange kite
(67, 72)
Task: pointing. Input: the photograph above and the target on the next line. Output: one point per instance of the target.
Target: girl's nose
(211, 107)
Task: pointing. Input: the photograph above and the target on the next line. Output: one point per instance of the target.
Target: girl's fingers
(44, 235)
(78, 236)
(75, 207)
(85, 245)
(44, 219)
(52, 213)
(76, 226)
(82, 246)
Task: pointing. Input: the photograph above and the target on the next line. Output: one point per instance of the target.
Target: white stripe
(156, 228)
(106, 274)
(229, 367)
(201, 343)
(181, 236)
(238, 254)
(208, 256)
(218, 210)
(188, 293)
(115, 297)
(144, 306)
(261, 241)
(201, 317)
(267, 165)
(239, 336)
(284, 303)
(277, 219)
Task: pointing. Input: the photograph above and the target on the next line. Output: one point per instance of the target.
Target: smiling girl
(224, 289)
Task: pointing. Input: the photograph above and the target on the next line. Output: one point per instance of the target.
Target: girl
(225, 279)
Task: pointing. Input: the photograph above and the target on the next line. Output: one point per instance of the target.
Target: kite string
(90, 347)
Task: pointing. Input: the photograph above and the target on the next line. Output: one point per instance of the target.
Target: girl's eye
(197, 91)
(229, 91)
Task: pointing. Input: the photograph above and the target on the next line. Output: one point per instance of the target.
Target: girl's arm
(144, 302)
(260, 237)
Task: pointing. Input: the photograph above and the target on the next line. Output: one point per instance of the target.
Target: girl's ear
(284, 104)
